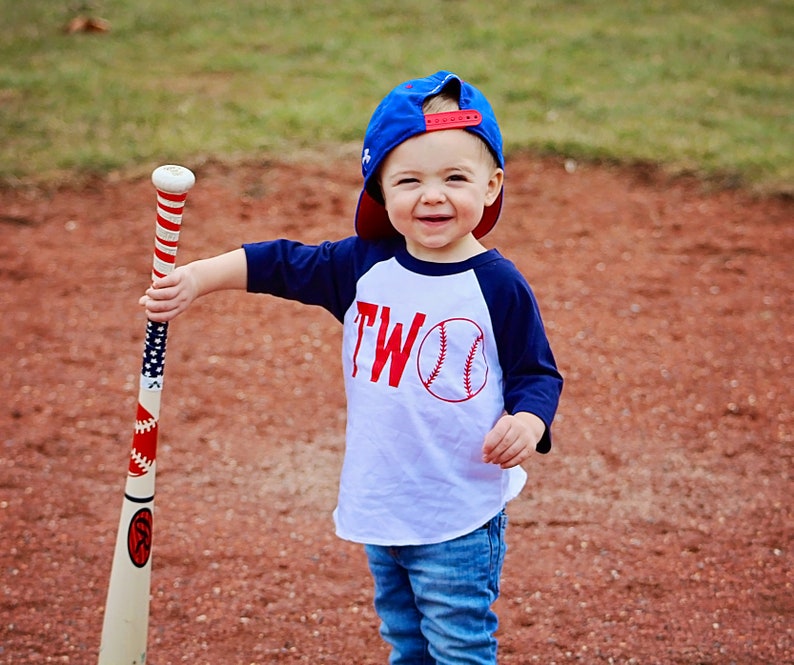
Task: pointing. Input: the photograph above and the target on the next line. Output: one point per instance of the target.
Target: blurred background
(704, 87)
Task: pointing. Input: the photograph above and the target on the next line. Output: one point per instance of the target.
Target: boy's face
(435, 186)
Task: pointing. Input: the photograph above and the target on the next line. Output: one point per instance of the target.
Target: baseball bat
(126, 622)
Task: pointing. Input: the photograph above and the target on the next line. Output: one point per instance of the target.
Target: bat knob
(173, 179)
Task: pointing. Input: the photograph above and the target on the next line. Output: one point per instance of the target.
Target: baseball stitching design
(442, 355)
(451, 362)
(144, 443)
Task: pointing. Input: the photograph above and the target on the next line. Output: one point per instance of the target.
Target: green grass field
(703, 86)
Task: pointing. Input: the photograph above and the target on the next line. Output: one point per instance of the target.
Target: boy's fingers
(161, 292)
(504, 453)
(166, 280)
(495, 436)
(512, 461)
(497, 441)
(510, 454)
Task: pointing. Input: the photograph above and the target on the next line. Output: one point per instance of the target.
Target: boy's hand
(512, 440)
(170, 295)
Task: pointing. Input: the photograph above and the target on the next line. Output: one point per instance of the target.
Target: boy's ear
(494, 186)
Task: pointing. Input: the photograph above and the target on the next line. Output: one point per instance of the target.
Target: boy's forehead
(447, 145)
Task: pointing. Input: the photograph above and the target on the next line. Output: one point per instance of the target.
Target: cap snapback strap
(452, 120)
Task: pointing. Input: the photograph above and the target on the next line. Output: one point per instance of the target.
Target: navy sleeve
(531, 380)
(323, 275)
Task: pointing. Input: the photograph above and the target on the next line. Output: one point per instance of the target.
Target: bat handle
(172, 183)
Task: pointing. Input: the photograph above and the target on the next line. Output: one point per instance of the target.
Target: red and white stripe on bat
(169, 221)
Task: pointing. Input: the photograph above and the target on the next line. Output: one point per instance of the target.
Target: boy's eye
(457, 177)
(407, 181)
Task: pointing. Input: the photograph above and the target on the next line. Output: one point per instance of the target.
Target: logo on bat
(139, 537)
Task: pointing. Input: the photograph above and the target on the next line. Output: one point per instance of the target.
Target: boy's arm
(171, 295)
(532, 382)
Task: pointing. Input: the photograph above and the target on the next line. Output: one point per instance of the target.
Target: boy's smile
(435, 187)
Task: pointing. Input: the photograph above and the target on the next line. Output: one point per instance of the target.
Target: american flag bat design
(126, 621)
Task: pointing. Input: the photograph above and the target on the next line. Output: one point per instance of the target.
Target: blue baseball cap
(399, 117)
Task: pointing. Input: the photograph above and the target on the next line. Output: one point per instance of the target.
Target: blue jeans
(434, 601)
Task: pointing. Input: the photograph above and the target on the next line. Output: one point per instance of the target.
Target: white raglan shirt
(424, 380)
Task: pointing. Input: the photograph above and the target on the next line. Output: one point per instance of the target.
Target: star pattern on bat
(154, 354)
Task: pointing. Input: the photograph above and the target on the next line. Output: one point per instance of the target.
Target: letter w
(393, 347)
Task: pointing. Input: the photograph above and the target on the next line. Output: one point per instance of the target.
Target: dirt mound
(659, 529)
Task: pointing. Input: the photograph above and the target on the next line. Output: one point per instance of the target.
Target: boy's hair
(443, 101)
(447, 101)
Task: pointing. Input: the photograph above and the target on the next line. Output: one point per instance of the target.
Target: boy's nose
(433, 194)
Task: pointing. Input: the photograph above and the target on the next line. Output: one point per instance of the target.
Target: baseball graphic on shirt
(451, 361)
